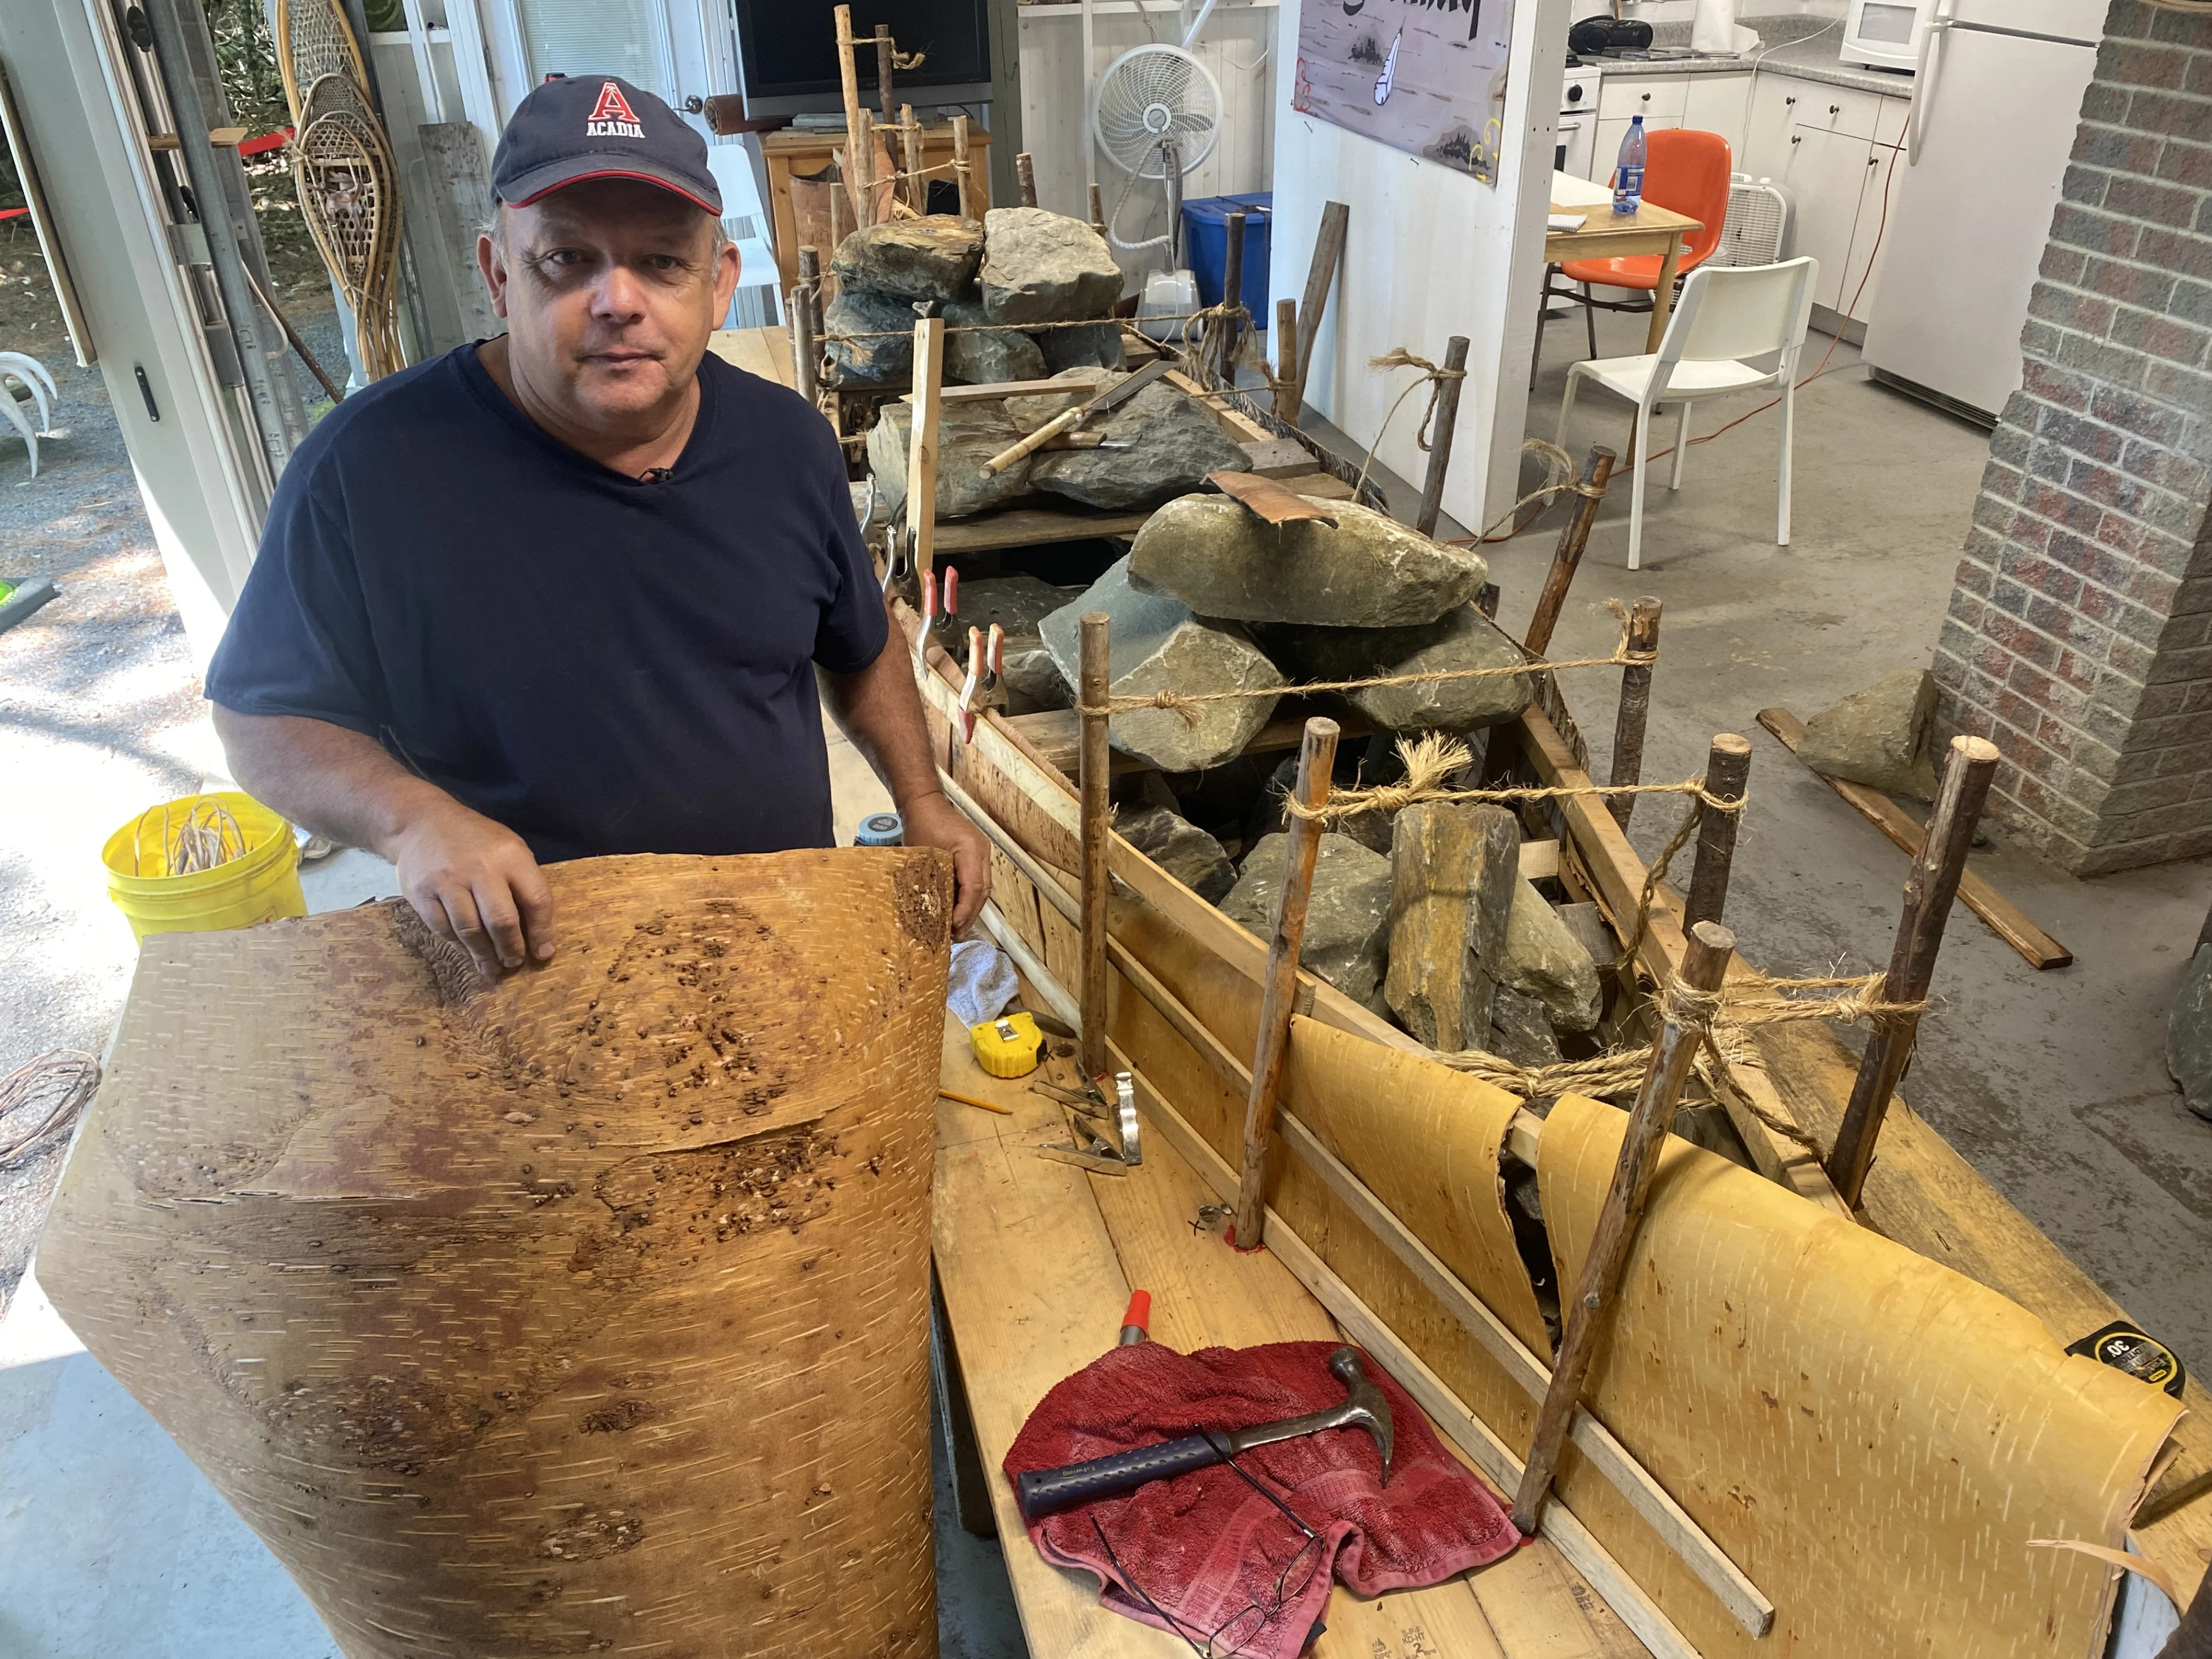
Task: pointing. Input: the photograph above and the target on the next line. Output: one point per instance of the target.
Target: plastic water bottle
(1628, 171)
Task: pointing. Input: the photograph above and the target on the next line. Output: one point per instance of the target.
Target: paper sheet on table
(1569, 193)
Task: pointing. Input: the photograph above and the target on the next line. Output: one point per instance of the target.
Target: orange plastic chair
(1685, 170)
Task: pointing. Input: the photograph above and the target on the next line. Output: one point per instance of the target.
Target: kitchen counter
(1801, 47)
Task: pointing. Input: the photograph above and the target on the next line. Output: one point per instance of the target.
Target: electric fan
(1156, 113)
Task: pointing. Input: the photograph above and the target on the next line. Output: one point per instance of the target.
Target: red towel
(1208, 1553)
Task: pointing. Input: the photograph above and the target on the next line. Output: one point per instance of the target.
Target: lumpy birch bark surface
(583, 1311)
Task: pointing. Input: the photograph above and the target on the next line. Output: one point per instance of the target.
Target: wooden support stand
(1929, 891)
(1321, 277)
(914, 187)
(805, 314)
(1095, 678)
(1591, 1313)
(1440, 434)
(886, 62)
(1232, 295)
(1287, 382)
(1097, 211)
(859, 174)
(960, 172)
(1025, 178)
(1727, 764)
(1280, 990)
(1635, 708)
(1574, 536)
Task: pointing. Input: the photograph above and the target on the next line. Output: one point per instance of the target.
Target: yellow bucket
(261, 885)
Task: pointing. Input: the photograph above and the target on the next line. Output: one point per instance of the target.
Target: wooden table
(1036, 1261)
(1650, 229)
(806, 153)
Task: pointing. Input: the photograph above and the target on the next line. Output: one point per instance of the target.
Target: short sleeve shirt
(602, 664)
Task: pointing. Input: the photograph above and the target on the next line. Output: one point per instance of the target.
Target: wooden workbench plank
(2010, 923)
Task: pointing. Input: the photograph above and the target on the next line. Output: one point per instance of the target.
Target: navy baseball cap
(599, 126)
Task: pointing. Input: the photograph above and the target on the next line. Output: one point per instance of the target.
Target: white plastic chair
(1724, 316)
(32, 373)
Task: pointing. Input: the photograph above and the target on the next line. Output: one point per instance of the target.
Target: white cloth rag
(981, 983)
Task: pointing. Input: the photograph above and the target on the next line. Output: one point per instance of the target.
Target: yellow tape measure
(1009, 1046)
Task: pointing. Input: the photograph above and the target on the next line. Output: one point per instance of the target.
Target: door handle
(1924, 72)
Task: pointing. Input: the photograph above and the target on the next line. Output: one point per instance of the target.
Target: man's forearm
(335, 783)
(879, 709)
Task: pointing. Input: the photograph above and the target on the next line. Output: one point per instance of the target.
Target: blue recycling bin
(1205, 244)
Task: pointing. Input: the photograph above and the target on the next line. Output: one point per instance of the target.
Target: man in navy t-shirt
(564, 592)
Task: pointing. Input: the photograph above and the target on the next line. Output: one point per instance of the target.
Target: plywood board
(1873, 1438)
(584, 1309)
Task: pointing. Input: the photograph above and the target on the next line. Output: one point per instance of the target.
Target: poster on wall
(1426, 77)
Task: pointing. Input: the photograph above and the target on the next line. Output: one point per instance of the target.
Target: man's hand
(932, 821)
(474, 882)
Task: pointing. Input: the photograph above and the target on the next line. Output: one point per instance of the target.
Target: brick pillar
(2080, 634)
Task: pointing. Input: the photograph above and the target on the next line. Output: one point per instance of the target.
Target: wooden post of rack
(1097, 211)
(1026, 176)
(858, 173)
(1574, 536)
(1321, 277)
(1280, 990)
(1232, 295)
(805, 352)
(1095, 677)
(1929, 891)
(886, 51)
(864, 146)
(960, 172)
(1591, 1313)
(922, 447)
(1440, 434)
(1727, 764)
(914, 186)
(841, 203)
(1286, 361)
(1635, 708)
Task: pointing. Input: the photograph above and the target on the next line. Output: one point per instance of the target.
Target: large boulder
(1545, 961)
(1462, 638)
(1222, 559)
(1019, 603)
(1453, 869)
(866, 361)
(1172, 444)
(2189, 1035)
(1098, 346)
(969, 435)
(1180, 847)
(1880, 737)
(1157, 645)
(1347, 918)
(931, 259)
(1041, 267)
(992, 357)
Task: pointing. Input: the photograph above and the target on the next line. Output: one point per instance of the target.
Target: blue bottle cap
(880, 830)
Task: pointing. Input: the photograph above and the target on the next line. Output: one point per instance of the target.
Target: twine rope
(1432, 375)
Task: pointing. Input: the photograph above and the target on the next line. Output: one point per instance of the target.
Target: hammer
(1049, 1491)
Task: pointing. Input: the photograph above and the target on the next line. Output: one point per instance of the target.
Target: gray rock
(1880, 736)
(1543, 960)
(1268, 815)
(1222, 560)
(1041, 267)
(2189, 1035)
(1587, 923)
(1521, 1031)
(1347, 919)
(1157, 645)
(1017, 604)
(870, 362)
(1084, 383)
(1453, 867)
(1033, 683)
(1180, 847)
(970, 434)
(987, 359)
(931, 259)
(1173, 443)
(1462, 638)
(1097, 347)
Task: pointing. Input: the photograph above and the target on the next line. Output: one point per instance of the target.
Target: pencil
(970, 1100)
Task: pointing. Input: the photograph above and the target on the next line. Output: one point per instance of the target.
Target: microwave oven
(1885, 33)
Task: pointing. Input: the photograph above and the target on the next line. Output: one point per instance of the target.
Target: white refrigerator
(1995, 101)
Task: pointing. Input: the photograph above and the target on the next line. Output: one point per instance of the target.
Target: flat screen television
(788, 52)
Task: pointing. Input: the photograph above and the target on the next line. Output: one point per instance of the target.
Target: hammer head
(1365, 1405)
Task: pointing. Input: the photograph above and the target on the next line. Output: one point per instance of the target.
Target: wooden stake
(1279, 997)
(886, 50)
(1727, 764)
(1440, 434)
(1025, 175)
(805, 351)
(915, 187)
(863, 149)
(1635, 708)
(1232, 295)
(1286, 361)
(1590, 1314)
(841, 203)
(1929, 891)
(1574, 536)
(1321, 277)
(857, 170)
(960, 172)
(922, 446)
(1094, 679)
(1097, 211)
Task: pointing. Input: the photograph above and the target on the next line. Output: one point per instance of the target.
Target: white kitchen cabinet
(1653, 97)
(1826, 173)
(1722, 104)
(1867, 229)
(1774, 101)
(1842, 110)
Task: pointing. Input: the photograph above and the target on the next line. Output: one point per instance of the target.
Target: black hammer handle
(1049, 1491)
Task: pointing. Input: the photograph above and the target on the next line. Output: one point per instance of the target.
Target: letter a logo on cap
(612, 105)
